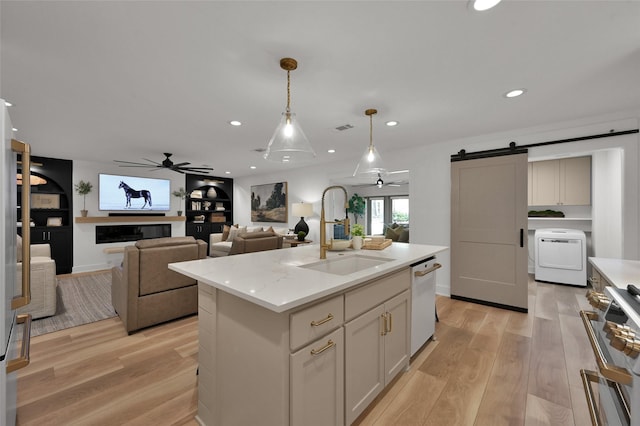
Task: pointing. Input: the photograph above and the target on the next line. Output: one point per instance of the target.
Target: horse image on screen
(133, 193)
(130, 193)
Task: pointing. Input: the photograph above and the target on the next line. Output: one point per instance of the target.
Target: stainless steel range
(613, 393)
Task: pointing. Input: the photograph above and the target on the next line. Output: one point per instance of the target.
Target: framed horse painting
(269, 203)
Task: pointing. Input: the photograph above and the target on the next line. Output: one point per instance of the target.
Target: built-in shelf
(116, 219)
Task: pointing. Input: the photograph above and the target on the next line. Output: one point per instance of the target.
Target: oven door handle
(610, 371)
(589, 376)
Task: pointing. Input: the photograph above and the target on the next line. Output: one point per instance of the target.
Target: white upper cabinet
(565, 181)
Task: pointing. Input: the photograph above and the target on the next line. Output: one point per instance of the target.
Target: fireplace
(123, 233)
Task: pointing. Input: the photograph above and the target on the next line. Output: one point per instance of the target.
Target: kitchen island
(288, 339)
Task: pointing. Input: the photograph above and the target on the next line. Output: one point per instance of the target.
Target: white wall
(89, 256)
(608, 210)
(429, 187)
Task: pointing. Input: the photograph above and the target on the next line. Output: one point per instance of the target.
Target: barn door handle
(521, 237)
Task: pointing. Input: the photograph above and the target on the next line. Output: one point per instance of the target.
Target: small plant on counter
(301, 235)
(357, 230)
(182, 194)
(83, 188)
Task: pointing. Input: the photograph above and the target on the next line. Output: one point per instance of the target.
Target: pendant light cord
(370, 132)
(288, 90)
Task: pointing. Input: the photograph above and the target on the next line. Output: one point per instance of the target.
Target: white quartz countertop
(274, 279)
(619, 272)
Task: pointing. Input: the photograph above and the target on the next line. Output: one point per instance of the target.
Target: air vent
(344, 127)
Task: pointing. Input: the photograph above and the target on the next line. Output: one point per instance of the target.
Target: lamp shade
(289, 143)
(302, 209)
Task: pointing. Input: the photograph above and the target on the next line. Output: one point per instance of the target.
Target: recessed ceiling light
(235, 123)
(7, 103)
(252, 167)
(482, 5)
(14, 129)
(331, 151)
(392, 123)
(515, 93)
(227, 172)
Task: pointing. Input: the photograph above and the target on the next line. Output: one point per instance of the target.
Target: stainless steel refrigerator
(15, 330)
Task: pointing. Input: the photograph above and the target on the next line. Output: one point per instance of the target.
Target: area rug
(81, 299)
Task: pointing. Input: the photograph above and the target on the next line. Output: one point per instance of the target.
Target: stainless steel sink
(347, 264)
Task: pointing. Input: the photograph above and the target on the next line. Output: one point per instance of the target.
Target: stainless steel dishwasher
(423, 301)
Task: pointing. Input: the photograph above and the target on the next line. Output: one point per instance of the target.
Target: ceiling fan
(165, 164)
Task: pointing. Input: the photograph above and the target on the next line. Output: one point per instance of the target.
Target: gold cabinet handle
(610, 371)
(322, 321)
(427, 271)
(25, 297)
(329, 345)
(388, 330)
(23, 360)
(591, 376)
(383, 324)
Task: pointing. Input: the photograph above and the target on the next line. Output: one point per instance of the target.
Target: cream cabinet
(257, 366)
(376, 351)
(566, 181)
(317, 382)
(377, 339)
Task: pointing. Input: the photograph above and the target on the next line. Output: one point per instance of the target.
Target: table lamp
(302, 210)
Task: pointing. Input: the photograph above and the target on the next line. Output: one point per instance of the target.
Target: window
(386, 210)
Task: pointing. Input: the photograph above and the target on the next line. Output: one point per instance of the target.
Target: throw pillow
(225, 232)
(254, 228)
(392, 233)
(404, 235)
(233, 232)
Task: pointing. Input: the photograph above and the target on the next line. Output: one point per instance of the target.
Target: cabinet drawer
(316, 321)
(366, 297)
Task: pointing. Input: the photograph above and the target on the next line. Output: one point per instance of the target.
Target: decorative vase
(356, 242)
(179, 212)
(211, 193)
(83, 213)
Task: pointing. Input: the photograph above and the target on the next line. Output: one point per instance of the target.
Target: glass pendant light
(289, 143)
(370, 164)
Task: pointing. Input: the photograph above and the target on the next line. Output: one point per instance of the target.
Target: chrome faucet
(323, 223)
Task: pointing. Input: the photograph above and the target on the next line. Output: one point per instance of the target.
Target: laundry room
(576, 208)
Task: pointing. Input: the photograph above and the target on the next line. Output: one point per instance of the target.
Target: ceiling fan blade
(151, 161)
(196, 168)
(181, 164)
(132, 162)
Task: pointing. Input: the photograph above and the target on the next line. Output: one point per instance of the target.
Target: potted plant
(301, 235)
(182, 194)
(357, 236)
(83, 188)
(356, 206)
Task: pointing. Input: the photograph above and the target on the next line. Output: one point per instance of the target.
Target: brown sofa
(144, 292)
(250, 242)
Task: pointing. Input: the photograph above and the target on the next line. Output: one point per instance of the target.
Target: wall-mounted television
(132, 193)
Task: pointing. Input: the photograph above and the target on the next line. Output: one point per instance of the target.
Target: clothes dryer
(561, 256)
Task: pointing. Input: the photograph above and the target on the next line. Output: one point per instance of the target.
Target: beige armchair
(144, 292)
(43, 281)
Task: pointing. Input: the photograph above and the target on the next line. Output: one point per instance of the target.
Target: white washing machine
(561, 256)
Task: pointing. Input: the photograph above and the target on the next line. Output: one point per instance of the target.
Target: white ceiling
(103, 81)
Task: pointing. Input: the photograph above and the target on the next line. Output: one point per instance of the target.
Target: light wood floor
(487, 367)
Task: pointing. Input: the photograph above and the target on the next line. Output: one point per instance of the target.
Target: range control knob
(598, 300)
(629, 346)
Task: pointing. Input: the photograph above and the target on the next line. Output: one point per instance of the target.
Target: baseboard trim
(492, 304)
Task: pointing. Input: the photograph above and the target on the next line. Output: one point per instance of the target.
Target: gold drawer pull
(322, 321)
(610, 371)
(427, 271)
(23, 360)
(329, 345)
(390, 323)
